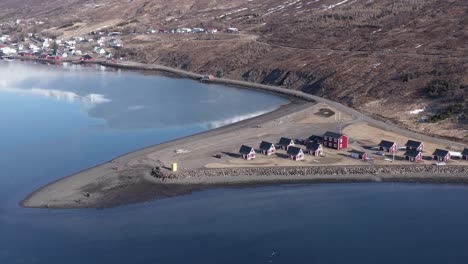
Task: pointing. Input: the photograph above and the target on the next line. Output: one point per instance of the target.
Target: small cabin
(413, 155)
(465, 154)
(295, 153)
(388, 146)
(285, 143)
(358, 154)
(314, 149)
(267, 148)
(335, 140)
(247, 152)
(441, 155)
(414, 145)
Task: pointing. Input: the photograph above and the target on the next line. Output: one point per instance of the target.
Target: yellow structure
(174, 167)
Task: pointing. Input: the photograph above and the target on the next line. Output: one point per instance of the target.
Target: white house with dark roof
(413, 155)
(267, 148)
(314, 149)
(285, 143)
(388, 146)
(247, 152)
(295, 153)
(414, 145)
(441, 155)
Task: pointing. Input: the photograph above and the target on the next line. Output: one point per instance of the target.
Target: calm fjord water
(57, 120)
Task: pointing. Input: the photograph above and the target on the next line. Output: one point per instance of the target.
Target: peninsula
(211, 159)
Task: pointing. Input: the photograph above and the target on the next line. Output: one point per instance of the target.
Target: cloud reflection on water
(129, 100)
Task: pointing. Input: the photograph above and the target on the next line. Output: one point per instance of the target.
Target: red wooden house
(335, 140)
(465, 154)
(441, 155)
(267, 148)
(388, 146)
(358, 154)
(314, 149)
(285, 143)
(295, 153)
(247, 152)
(413, 155)
(414, 145)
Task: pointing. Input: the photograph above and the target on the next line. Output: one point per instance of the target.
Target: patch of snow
(182, 151)
(417, 111)
(335, 5)
(418, 46)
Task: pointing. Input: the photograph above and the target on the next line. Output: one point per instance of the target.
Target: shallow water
(57, 120)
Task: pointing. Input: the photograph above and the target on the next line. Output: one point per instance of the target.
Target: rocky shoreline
(317, 172)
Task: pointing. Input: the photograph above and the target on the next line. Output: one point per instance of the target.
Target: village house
(388, 146)
(247, 152)
(267, 148)
(285, 143)
(335, 140)
(465, 154)
(358, 154)
(413, 155)
(414, 145)
(295, 153)
(314, 148)
(441, 155)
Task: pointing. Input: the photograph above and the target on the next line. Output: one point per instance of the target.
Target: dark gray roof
(413, 144)
(285, 141)
(315, 138)
(465, 151)
(293, 150)
(412, 153)
(440, 152)
(312, 146)
(358, 152)
(265, 145)
(386, 144)
(245, 149)
(332, 134)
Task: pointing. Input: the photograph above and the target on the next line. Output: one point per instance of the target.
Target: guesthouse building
(285, 143)
(388, 146)
(414, 145)
(441, 155)
(247, 152)
(314, 149)
(335, 140)
(413, 155)
(295, 153)
(267, 148)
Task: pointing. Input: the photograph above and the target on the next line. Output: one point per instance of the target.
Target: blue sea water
(56, 120)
